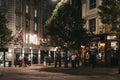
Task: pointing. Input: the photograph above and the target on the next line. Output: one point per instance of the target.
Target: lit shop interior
(104, 46)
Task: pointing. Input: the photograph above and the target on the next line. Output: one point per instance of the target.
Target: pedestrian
(73, 60)
(29, 60)
(92, 59)
(78, 60)
(65, 59)
(20, 61)
(114, 61)
(57, 59)
(26, 61)
(49, 60)
(45, 60)
(16, 62)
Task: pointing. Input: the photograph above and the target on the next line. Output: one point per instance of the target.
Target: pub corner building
(34, 53)
(105, 47)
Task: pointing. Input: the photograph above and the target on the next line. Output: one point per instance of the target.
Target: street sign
(3, 49)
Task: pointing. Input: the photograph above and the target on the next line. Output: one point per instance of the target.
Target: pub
(105, 47)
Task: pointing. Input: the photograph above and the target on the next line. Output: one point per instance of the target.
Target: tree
(109, 13)
(66, 25)
(5, 33)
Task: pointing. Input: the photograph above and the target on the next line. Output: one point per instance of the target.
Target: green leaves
(5, 33)
(66, 25)
(110, 12)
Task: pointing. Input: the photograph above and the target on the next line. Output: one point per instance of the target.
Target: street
(51, 73)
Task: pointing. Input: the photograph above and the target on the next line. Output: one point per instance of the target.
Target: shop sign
(111, 37)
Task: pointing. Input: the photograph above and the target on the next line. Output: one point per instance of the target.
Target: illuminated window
(92, 25)
(35, 13)
(33, 39)
(92, 4)
(27, 38)
(27, 9)
(35, 27)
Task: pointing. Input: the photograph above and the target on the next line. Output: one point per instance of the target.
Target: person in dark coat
(92, 59)
(65, 59)
(26, 61)
(57, 59)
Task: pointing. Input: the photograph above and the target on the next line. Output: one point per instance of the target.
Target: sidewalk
(83, 70)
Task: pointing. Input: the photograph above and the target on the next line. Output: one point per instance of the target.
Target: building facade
(103, 43)
(90, 13)
(25, 19)
(28, 29)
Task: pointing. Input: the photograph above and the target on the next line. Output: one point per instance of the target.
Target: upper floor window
(27, 8)
(92, 25)
(92, 4)
(35, 13)
(18, 5)
(35, 27)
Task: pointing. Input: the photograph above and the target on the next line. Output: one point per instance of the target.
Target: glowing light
(9, 50)
(33, 39)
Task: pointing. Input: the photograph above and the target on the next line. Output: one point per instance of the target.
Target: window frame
(92, 4)
(92, 24)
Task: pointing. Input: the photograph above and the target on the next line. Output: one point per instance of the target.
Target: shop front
(4, 62)
(105, 47)
(5, 57)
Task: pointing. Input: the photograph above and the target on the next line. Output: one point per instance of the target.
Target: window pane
(35, 13)
(27, 9)
(92, 25)
(92, 4)
(35, 27)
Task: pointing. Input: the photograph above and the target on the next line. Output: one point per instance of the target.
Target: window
(35, 13)
(27, 25)
(18, 5)
(27, 8)
(92, 4)
(92, 25)
(35, 27)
